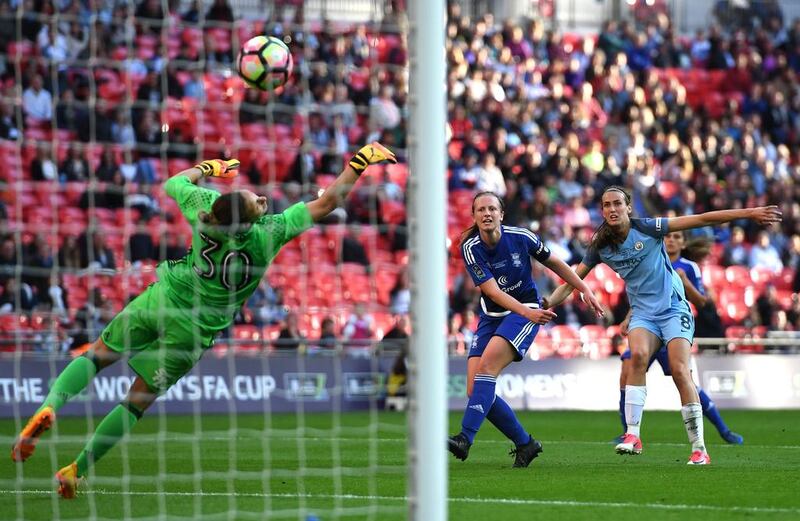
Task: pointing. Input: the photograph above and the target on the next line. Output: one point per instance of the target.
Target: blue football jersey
(692, 271)
(644, 265)
(509, 262)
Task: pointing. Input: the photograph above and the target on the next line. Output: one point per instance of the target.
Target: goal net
(285, 416)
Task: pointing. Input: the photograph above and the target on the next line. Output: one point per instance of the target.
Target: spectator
(9, 129)
(75, 166)
(764, 255)
(358, 331)
(352, 250)
(140, 244)
(95, 255)
(490, 178)
(265, 305)
(327, 335)
(53, 43)
(455, 338)
(735, 253)
(220, 11)
(69, 255)
(38, 263)
(122, 131)
(174, 250)
(108, 169)
(9, 260)
(91, 319)
(37, 103)
(766, 306)
(384, 114)
(289, 337)
(400, 296)
(57, 297)
(17, 296)
(396, 339)
(72, 116)
(43, 168)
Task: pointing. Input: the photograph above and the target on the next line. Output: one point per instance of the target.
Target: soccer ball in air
(265, 63)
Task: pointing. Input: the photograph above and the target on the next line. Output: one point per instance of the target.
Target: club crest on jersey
(515, 260)
(638, 246)
(478, 271)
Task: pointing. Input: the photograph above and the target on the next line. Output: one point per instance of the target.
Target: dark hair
(473, 230)
(227, 210)
(695, 249)
(604, 235)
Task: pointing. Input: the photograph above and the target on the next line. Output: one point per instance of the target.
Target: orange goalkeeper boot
(26, 441)
(68, 481)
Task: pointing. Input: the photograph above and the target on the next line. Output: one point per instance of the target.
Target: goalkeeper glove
(369, 155)
(219, 168)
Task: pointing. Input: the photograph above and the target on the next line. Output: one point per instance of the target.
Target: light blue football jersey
(644, 265)
(509, 262)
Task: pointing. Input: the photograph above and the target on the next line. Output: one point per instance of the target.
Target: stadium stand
(90, 130)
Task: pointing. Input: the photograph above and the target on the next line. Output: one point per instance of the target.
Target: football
(265, 63)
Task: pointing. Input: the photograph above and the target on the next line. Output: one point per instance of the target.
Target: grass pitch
(353, 466)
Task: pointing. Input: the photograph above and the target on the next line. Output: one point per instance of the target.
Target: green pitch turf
(353, 467)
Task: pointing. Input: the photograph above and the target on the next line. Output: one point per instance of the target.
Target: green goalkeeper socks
(72, 380)
(114, 426)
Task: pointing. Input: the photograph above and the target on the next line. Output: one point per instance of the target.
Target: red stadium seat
(738, 276)
(248, 338)
(567, 341)
(596, 342)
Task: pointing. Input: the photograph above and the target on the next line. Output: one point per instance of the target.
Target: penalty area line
(472, 500)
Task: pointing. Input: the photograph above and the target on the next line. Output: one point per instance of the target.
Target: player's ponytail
(472, 231)
(696, 249)
(605, 236)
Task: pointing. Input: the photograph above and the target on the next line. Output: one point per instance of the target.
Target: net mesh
(283, 415)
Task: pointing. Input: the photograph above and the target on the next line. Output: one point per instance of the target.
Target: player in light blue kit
(660, 313)
(689, 272)
(498, 258)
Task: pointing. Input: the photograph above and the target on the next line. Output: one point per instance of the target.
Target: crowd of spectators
(547, 120)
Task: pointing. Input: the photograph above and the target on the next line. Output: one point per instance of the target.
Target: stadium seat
(566, 340)
(248, 338)
(738, 276)
(596, 342)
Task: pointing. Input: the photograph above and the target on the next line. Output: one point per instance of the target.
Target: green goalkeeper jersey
(222, 269)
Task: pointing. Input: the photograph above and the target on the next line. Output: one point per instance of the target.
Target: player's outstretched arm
(208, 168)
(762, 215)
(560, 268)
(329, 200)
(561, 293)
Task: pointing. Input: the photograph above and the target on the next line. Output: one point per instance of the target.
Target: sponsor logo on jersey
(478, 271)
(516, 260)
(503, 280)
(638, 246)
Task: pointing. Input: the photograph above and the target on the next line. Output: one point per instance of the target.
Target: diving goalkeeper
(167, 328)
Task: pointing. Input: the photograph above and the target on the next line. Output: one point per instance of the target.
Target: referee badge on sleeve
(478, 271)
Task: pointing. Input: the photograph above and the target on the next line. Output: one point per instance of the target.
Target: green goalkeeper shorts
(163, 342)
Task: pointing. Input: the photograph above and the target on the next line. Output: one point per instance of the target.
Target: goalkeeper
(167, 328)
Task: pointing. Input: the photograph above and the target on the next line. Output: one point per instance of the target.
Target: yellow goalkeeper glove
(371, 154)
(219, 168)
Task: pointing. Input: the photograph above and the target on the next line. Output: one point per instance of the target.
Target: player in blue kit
(689, 272)
(660, 313)
(498, 258)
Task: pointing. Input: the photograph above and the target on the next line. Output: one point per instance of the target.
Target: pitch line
(275, 438)
(471, 500)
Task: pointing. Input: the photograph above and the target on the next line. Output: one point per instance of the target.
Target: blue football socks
(502, 416)
(478, 406)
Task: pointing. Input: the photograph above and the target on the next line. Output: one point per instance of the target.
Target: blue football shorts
(518, 330)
